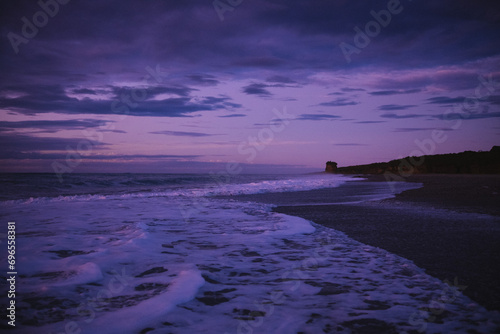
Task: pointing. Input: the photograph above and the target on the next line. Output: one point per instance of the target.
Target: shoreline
(450, 227)
(479, 193)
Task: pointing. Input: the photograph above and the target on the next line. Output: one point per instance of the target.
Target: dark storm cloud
(232, 115)
(147, 93)
(261, 90)
(155, 91)
(450, 80)
(340, 102)
(394, 116)
(280, 79)
(220, 101)
(84, 91)
(63, 156)
(407, 35)
(52, 126)
(52, 98)
(174, 107)
(494, 99)
(316, 117)
(112, 131)
(36, 97)
(388, 107)
(420, 129)
(14, 144)
(395, 92)
(369, 122)
(303, 34)
(349, 90)
(181, 134)
(467, 116)
(203, 79)
(446, 100)
(257, 89)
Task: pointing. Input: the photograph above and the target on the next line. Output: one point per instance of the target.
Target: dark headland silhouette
(468, 162)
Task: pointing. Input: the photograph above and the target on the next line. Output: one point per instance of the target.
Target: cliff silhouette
(331, 167)
(468, 162)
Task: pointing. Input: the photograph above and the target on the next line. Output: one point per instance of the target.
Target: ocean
(185, 253)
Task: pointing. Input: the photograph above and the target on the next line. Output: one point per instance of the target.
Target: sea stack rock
(331, 167)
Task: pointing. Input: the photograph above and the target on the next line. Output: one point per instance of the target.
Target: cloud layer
(151, 72)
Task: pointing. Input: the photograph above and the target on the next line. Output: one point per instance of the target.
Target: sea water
(164, 253)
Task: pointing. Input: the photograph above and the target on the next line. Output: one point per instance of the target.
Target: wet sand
(450, 227)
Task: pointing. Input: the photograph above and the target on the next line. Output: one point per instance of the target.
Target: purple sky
(277, 85)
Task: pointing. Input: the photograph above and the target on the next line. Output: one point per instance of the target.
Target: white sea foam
(86, 273)
(289, 225)
(121, 264)
(299, 183)
(150, 312)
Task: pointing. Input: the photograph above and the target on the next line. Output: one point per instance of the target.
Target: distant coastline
(468, 162)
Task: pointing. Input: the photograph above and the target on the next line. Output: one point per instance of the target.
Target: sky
(238, 86)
